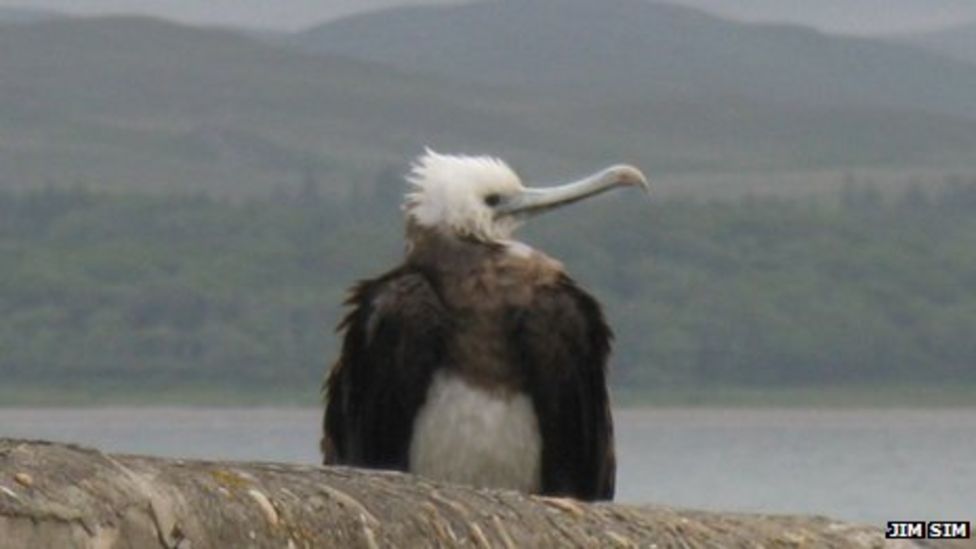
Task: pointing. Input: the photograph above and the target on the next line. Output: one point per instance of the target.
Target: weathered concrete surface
(55, 495)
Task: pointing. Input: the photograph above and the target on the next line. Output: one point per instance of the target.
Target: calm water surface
(866, 465)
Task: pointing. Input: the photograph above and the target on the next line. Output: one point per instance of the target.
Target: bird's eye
(493, 199)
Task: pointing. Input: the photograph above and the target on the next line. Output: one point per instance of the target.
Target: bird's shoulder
(404, 293)
(564, 323)
(564, 297)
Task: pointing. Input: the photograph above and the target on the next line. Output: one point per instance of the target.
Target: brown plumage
(474, 338)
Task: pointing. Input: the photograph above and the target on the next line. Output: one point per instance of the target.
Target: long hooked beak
(532, 201)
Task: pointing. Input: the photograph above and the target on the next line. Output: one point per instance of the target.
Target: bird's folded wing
(562, 342)
(395, 337)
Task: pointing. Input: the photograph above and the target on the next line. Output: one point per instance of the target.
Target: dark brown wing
(563, 343)
(395, 337)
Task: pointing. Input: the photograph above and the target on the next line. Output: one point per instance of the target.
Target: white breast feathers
(467, 435)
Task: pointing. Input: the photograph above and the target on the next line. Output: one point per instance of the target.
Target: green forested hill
(191, 294)
(233, 197)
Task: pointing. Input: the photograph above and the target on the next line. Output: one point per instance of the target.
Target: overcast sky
(849, 16)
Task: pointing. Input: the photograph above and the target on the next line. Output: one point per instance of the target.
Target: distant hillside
(141, 103)
(24, 15)
(178, 295)
(634, 48)
(131, 101)
(845, 16)
(958, 42)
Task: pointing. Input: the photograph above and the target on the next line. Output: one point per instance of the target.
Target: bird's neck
(480, 275)
(438, 251)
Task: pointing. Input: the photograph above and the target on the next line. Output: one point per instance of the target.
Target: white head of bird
(481, 197)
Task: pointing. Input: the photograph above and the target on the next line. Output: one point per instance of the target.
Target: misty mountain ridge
(622, 49)
(958, 41)
(126, 102)
(25, 15)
